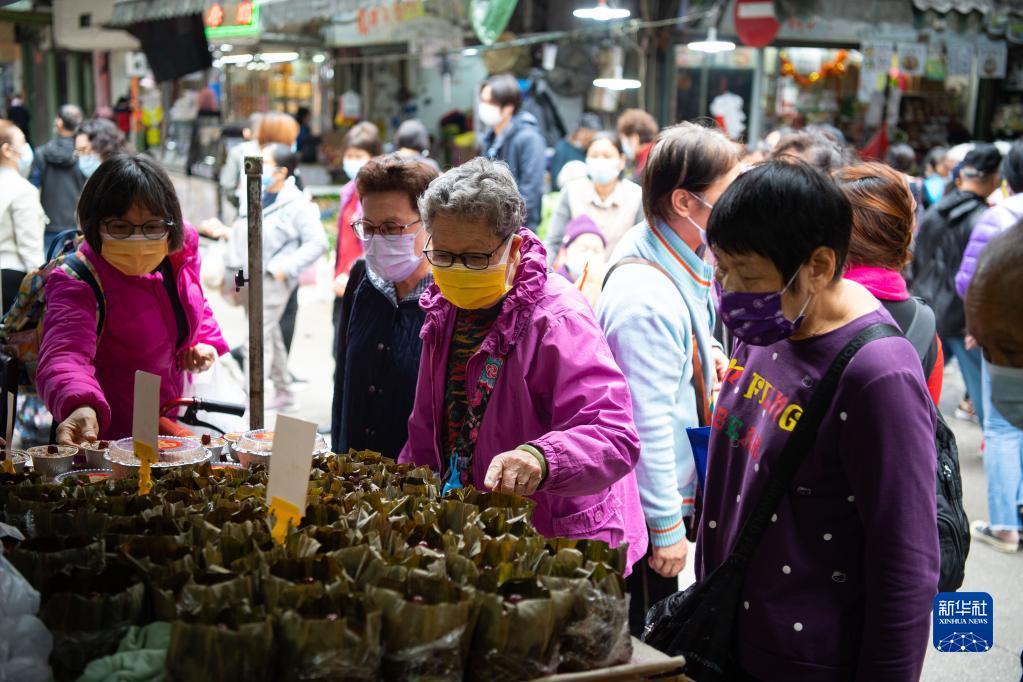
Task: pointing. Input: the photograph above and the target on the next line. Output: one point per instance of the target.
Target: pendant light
(711, 45)
(601, 12)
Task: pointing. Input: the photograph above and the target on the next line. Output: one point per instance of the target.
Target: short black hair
(121, 182)
(505, 90)
(285, 157)
(105, 137)
(608, 135)
(901, 157)
(782, 211)
(412, 134)
(70, 115)
(813, 147)
(1012, 167)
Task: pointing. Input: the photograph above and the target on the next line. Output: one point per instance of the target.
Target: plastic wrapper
(40, 558)
(427, 627)
(518, 632)
(25, 649)
(222, 652)
(597, 632)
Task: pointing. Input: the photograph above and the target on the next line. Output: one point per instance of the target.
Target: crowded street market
(511, 340)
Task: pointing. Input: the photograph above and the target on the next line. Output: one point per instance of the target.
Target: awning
(128, 12)
(961, 6)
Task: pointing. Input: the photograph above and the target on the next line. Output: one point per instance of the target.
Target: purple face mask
(757, 319)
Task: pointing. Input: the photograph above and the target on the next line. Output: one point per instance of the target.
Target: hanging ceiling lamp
(711, 45)
(601, 12)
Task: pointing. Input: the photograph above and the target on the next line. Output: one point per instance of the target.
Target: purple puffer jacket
(140, 332)
(991, 223)
(559, 389)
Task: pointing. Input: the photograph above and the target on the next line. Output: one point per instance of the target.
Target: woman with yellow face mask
(145, 261)
(517, 389)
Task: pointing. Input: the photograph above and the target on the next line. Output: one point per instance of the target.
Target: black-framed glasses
(151, 229)
(471, 260)
(389, 230)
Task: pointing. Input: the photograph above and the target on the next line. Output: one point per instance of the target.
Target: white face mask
(1007, 393)
(25, 159)
(702, 230)
(490, 114)
(602, 171)
(627, 149)
(393, 259)
(352, 167)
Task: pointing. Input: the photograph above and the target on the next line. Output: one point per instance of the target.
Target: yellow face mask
(134, 256)
(474, 289)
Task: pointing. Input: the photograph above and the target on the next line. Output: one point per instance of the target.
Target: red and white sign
(755, 22)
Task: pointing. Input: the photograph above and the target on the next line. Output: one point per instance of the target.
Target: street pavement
(986, 571)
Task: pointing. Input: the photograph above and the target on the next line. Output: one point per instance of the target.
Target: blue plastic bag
(699, 439)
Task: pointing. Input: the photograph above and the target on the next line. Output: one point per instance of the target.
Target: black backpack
(953, 526)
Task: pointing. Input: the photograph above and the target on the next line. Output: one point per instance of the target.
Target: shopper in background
(56, 172)
(902, 158)
(377, 340)
(614, 203)
(940, 244)
(637, 130)
(134, 237)
(821, 151)
(841, 584)
(22, 220)
(305, 142)
(293, 239)
(573, 147)
(517, 391)
(1003, 442)
(514, 136)
(96, 140)
(233, 171)
(362, 143)
(582, 257)
(883, 218)
(658, 318)
(412, 141)
(937, 174)
(573, 170)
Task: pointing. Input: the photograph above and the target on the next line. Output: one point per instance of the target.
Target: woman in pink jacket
(134, 234)
(517, 389)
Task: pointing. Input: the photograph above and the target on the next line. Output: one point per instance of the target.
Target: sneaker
(982, 531)
(965, 411)
(284, 401)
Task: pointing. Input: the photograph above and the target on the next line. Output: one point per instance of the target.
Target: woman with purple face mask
(840, 583)
(378, 345)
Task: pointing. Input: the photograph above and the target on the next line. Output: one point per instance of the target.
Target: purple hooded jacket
(991, 223)
(559, 389)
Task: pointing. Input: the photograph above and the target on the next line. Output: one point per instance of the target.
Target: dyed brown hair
(637, 121)
(883, 215)
(277, 128)
(395, 173)
(685, 156)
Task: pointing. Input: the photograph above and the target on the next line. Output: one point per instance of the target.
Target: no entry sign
(755, 22)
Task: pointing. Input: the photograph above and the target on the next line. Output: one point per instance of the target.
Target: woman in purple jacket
(1003, 442)
(517, 389)
(841, 583)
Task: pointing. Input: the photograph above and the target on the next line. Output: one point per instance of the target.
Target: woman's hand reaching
(81, 426)
(198, 358)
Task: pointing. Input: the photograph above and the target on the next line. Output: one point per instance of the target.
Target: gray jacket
(293, 235)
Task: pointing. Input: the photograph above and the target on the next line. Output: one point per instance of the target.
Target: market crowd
(568, 346)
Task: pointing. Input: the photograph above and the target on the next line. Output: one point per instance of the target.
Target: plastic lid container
(262, 440)
(173, 452)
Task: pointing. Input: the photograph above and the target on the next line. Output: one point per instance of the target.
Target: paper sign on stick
(294, 441)
(145, 429)
(8, 465)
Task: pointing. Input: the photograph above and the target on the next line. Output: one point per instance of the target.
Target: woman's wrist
(540, 457)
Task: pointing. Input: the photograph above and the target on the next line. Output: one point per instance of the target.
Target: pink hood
(559, 390)
(76, 368)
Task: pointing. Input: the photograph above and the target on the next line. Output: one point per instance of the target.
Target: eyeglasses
(471, 260)
(151, 229)
(388, 229)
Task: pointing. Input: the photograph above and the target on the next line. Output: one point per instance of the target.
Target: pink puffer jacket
(559, 390)
(140, 332)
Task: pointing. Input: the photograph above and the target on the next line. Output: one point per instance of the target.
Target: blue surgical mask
(1007, 392)
(352, 167)
(267, 178)
(88, 163)
(602, 171)
(25, 160)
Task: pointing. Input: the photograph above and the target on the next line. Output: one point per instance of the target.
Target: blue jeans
(1003, 465)
(969, 364)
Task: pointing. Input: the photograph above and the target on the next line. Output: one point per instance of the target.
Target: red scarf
(885, 284)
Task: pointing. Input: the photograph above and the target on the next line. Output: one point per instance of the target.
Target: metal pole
(254, 196)
(756, 104)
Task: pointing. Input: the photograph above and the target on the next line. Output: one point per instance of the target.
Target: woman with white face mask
(377, 338)
(361, 144)
(22, 220)
(614, 203)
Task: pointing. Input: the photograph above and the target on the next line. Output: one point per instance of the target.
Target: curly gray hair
(479, 189)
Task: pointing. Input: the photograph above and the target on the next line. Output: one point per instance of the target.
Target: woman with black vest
(378, 343)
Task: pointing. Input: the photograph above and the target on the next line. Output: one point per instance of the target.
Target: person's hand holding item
(970, 342)
(81, 426)
(720, 367)
(669, 561)
(516, 473)
(214, 229)
(198, 358)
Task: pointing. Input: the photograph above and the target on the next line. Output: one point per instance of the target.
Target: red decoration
(215, 16)
(755, 22)
(243, 17)
(832, 69)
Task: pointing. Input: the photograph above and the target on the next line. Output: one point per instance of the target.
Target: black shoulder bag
(700, 622)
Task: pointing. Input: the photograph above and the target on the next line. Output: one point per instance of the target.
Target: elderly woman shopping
(517, 389)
